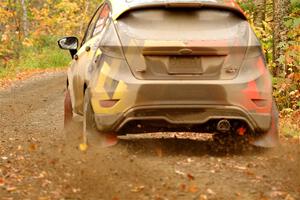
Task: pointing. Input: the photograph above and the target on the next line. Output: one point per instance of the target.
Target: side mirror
(69, 43)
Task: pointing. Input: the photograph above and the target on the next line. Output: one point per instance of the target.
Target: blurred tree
(86, 9)
(259, 14)
(25, 18)
(280, 13)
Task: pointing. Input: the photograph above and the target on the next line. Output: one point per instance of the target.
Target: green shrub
(42, 53)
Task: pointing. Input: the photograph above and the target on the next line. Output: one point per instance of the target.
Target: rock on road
(37, 162)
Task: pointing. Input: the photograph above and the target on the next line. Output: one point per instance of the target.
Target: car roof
(121, 6)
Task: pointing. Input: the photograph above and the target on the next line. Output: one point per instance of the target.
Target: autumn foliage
(31, 28)
(277, 24)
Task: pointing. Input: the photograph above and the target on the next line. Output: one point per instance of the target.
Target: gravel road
(37, 162)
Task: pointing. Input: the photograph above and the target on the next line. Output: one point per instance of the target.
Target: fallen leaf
(20, 158)
(83, 147)
(10, 188)
(193, 189)
(53, 161)
(240, 167)
(138, 189)
(46, 183)
(182, 187)
(249, 173)
(42, 175)
(210, 191)
(238, 194)
(190, 177)
(76, 190)
(203, 197)
(32, 147)
(2, 182)
(43, 198)
(179, 172)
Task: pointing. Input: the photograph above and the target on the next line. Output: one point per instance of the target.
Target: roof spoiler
(235, 9)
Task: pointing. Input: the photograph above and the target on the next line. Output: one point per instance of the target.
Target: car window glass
(167, 24)
(91, 26)
(101, 20)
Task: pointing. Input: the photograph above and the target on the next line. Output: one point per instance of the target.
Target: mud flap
(91, 136)
(271, 138)
(96, 139)
(68, 113)
(109, 140)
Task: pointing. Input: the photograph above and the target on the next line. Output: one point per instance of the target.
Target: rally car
(170, 65)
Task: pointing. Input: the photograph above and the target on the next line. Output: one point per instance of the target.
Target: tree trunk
(86, 9)
(259, 14)
(281, 9)
(24, 18)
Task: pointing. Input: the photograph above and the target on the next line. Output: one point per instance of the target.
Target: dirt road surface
(36, 162)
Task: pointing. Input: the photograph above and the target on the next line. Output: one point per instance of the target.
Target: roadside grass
(4, 73)
(43, 54)
(46, 58)
(290, 124)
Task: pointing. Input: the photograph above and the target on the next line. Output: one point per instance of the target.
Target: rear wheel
(91, 135)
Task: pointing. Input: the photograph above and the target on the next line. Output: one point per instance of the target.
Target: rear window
(183, 24)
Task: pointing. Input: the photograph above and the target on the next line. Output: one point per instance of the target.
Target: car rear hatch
(170, 43)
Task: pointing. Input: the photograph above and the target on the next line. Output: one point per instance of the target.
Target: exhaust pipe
(223, 126)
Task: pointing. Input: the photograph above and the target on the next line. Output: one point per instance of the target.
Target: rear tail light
(108, 103)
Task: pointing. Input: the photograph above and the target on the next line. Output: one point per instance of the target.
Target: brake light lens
(108, 103)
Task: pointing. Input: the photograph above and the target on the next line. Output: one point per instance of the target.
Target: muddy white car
(170, 65)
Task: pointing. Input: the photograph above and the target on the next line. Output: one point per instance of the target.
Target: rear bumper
(182, 115)
(248, 97)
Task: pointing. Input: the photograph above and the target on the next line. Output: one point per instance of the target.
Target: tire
(91, 136)
(68, 111)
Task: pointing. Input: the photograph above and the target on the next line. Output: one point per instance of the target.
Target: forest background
(29, 30)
